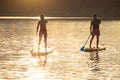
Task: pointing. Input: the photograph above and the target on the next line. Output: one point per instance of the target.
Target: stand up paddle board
(41, 52)
(93, 49)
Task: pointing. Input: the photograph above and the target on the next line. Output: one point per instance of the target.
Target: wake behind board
(41, 52)
(94, 49)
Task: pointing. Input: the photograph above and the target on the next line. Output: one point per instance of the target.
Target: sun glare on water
(41, 46)
(35, 45)
(36, 74)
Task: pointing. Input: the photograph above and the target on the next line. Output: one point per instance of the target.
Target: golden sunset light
(59, 39)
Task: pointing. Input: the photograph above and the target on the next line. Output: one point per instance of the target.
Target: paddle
(83, 48)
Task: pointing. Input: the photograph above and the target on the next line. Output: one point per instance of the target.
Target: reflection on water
(66, 62)
(94, 55)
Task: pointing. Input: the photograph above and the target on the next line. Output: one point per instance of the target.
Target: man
(94, 30)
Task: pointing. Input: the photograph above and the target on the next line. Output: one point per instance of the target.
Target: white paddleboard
(41, 52)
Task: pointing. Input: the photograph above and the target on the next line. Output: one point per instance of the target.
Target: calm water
(65, 37)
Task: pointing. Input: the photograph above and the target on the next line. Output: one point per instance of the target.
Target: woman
(42, 31)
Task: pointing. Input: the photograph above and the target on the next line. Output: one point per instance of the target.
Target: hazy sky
(60, 7)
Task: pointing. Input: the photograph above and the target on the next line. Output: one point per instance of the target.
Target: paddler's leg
(91, 41)
(97, 41)
(40, 38)
(98, 34)
(45, 40)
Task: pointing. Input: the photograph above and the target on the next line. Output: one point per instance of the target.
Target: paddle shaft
(87, 40)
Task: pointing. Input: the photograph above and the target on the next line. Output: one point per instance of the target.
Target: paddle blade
(83, 48)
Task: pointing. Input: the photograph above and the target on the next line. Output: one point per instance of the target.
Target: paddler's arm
(37, 27)
(90, 28)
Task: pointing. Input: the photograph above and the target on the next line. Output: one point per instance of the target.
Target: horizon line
(35, 18)
(53, 18)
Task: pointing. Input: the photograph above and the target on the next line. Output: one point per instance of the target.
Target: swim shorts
(95, 32)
